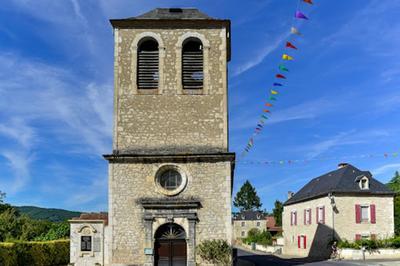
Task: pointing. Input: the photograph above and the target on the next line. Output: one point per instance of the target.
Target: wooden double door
(171, 252)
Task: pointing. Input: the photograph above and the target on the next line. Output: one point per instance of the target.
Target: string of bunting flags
(281, 76)
(386, 155)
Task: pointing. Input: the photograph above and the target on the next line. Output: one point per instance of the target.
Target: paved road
(247, 258)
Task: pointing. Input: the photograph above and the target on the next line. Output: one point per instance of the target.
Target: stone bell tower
(170, 172)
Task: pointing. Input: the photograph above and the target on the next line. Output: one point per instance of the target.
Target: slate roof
(341, 181)
(173, 13)
(249, 216)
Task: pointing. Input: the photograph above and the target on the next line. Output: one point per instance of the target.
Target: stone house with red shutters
(346, 203)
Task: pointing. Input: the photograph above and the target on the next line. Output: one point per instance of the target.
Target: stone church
(170, 171)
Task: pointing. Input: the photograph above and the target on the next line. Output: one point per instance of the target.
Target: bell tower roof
(173, 13)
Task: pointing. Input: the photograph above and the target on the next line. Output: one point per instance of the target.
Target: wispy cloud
(306, 110)
(386, 169)
(259, 57)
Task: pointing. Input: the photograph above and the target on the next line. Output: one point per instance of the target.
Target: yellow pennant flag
(274, 92)
(287, 57)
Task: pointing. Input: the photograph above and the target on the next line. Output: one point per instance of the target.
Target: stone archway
(170, 246)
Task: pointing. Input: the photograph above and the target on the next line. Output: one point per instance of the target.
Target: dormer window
(364, 183)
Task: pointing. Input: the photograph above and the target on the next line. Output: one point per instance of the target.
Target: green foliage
(394, 185)
(47, 253)
(215, 251)
(371, 244)
(259, 237)
(57, 231)
(277, 211)
(247, 198)
(53, 215)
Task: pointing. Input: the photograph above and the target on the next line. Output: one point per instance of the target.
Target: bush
(46, 253)
(256, 236)
(215, 251)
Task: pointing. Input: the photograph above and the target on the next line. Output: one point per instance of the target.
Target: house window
(148, 64)
(321, 215)
(293, 218)
(258, 224)
(192, 64)
(307, 216)
(243, 234)
(302, 241)
(86, 243)
(364, 213)
(243, 224)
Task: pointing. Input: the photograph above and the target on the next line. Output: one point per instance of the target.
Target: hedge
(371, 244)
(46, 253)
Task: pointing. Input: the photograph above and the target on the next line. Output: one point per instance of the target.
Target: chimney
(290, 194)
(341, 165)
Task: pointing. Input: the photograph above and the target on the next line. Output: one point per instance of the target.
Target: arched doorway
(170, 245)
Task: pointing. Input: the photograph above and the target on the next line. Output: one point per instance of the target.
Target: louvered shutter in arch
(192, 64)
(148, 64)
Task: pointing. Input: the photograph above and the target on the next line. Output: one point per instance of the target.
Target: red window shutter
(358, 237)
(323, 215)
(358, 214)
(298, 241)
(305, 242)
(309, 218)
(317, 215)
(305, 217)
(373, 213)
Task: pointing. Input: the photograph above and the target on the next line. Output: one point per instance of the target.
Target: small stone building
(170, 171)
(344, 204)
(244, 221)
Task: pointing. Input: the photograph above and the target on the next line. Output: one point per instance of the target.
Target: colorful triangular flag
(300, 15)
(274, 92)
(272, 98)
(268, 104)
(263, 116)
(290, 45)
(294, 30)
(287, 57)
(283, 68)
(308, 2)
(267, 111)
(277, 84)
(280, 76)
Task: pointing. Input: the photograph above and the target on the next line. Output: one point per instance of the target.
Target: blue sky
(341, 101)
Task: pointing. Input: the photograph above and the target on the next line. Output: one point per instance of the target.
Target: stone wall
(169, 120)
(343, 224)
(130, 182)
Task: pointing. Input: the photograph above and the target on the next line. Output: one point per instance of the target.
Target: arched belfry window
(192, 64)
(148, 64)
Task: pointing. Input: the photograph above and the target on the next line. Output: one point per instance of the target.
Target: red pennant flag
(268, 104)
(290, 45)
(308, 2)
(267, 111)
(280, 76)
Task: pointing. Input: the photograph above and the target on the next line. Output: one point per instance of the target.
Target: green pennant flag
(263, 116)
(272, 98)
(283, 68)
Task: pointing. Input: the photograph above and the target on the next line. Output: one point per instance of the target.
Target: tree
(277, 211)
(247, 198)
(394, 184)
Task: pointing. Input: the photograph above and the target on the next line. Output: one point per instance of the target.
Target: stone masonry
(169, 127)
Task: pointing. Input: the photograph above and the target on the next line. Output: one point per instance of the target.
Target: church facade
(170, 171)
